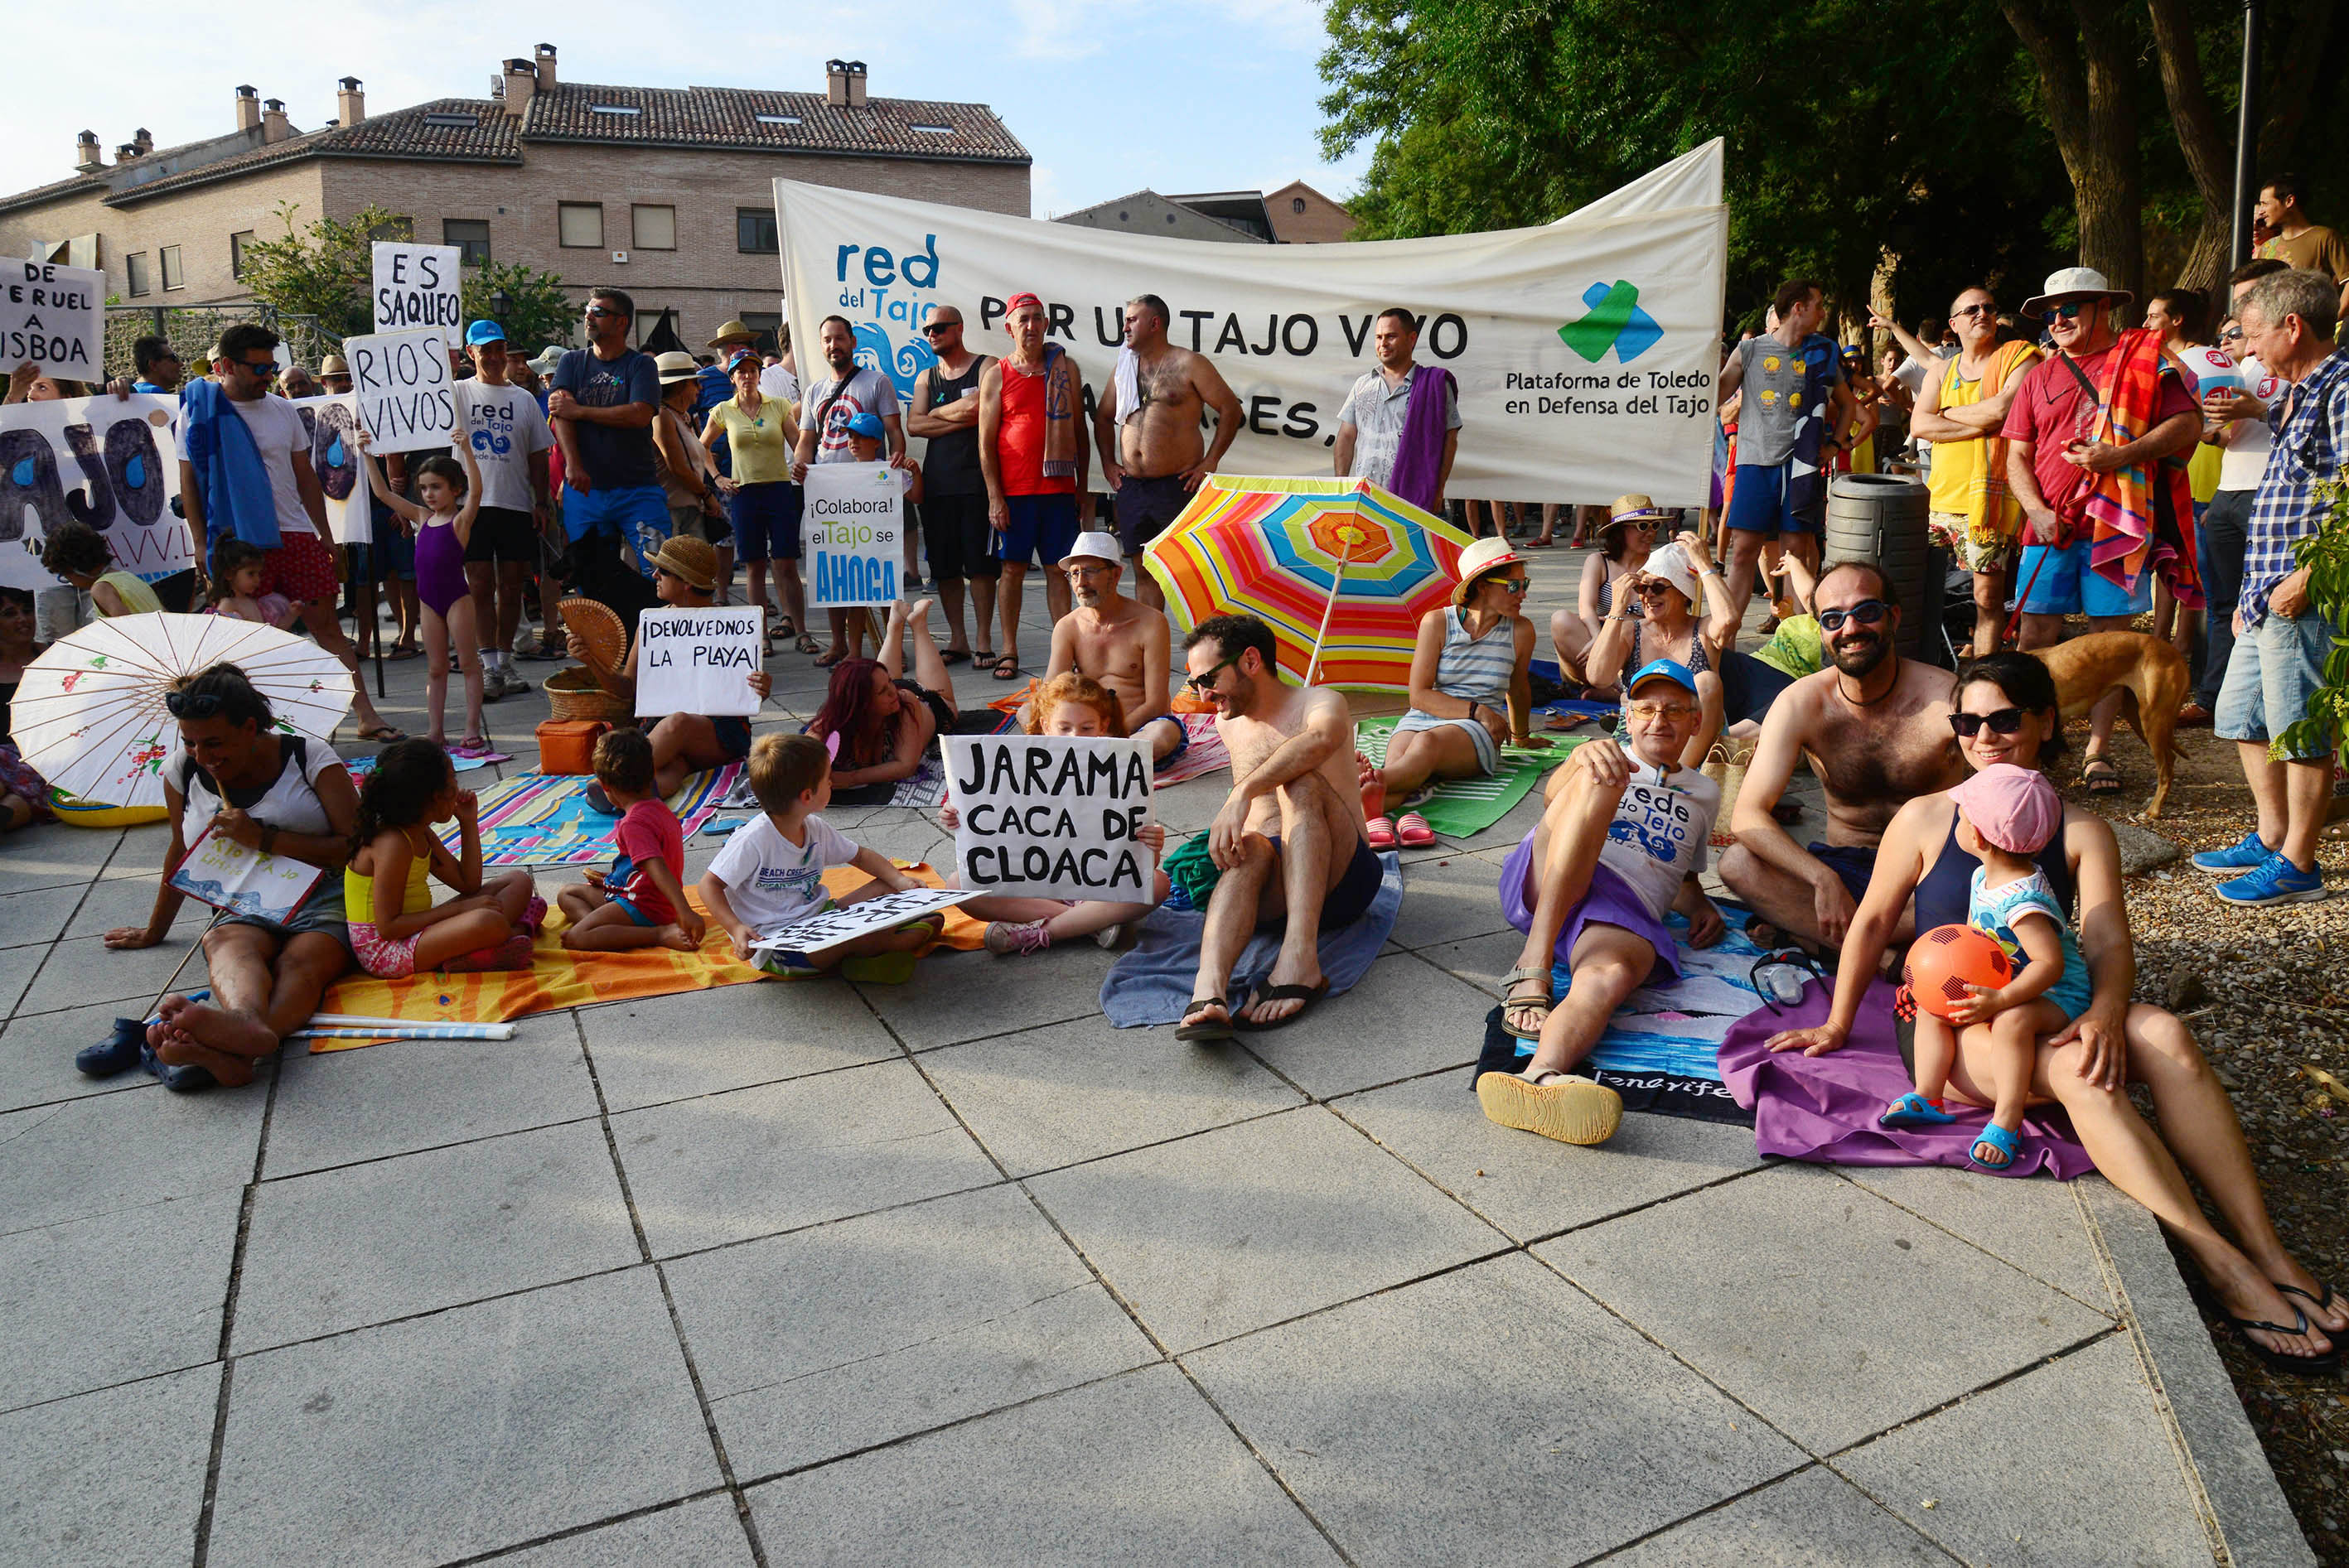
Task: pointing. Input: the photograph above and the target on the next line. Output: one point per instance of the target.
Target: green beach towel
(1463, 808)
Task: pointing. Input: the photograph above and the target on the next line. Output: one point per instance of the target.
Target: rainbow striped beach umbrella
(1339, 569)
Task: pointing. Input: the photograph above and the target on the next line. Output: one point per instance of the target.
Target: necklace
(1872, 701)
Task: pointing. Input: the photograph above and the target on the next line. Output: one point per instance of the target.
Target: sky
(1109, 96)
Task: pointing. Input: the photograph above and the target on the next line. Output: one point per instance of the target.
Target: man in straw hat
(685, 576)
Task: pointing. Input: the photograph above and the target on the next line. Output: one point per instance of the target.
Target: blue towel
(230, 475)
(1152, 985)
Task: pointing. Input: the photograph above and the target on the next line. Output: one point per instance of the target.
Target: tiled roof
(402, 133)
(791, 122)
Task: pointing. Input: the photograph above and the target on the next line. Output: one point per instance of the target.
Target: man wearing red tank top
(1034, 459)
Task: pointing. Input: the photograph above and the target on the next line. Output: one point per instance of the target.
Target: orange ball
(1949, 958)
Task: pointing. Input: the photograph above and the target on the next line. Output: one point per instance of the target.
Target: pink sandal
(1379, 832)
(1412, 831)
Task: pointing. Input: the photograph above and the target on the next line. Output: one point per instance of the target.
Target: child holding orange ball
(2005, 816)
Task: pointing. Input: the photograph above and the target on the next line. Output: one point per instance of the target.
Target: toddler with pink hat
(2006, 815)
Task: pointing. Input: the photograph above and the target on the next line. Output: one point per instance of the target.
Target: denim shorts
(2276, 667)
(2068, 585)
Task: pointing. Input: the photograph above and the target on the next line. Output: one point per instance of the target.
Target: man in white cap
(2052, 464)
(1122, 642)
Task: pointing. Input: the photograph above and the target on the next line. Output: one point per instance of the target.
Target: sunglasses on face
(265, 368)
(2005, 721)
(936, 327)
(191, 705)
(2232, 335)
(1088, 573)
(599, 310)
(1650, 712)
(1867, 613)
(1652, 589)
(1508, 584)
(1202, 681)
(1976, 310)
(2068, 311)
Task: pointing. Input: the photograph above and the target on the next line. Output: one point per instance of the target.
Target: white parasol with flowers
(91, 715)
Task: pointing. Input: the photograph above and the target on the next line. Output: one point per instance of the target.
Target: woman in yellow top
(396, 928)
(759, 432)
(79, 554)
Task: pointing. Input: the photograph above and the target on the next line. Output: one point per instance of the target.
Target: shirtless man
(1153, 453)
(1875, 727)
(1125, 645)
(1289, 839)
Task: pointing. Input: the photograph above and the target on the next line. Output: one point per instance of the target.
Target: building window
(769, 329)
(236, 244)
(654, 227)
(471, 235)
(582, 225)
(754, 231)
(135, 266)
(401, 229)
(778, 118)
(614, 108)
(932, 129)
(1297, 204)
(454, 121)
(173, 278)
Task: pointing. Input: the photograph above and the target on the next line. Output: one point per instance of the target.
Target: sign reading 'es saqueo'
(1051, 816)
(416, 285)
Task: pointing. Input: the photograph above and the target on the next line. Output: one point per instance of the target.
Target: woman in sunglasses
(236, 774)
(1470, 690)
(1667, 628)
(1625, 542)
(2006, 712)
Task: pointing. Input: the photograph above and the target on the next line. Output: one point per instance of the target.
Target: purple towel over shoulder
(1824, 1109)
(1419, 456)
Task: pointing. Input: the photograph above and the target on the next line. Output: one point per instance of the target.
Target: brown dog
(2152, 674)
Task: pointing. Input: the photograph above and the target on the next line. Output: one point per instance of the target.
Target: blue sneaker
(2277, 881)
(2247, 856)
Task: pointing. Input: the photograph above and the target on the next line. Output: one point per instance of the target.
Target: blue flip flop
(2000, 1139)
(1913, 1111)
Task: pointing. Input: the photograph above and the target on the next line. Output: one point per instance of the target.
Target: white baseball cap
(1095, 543)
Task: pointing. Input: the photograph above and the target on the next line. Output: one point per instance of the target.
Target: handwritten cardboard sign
(853, 522)
(887, 912)
(108, 462)
(416, 285)
(407, 396)
(698, 660)
(1050, 816)
(332, 420)
(227, 875)
(49, 314)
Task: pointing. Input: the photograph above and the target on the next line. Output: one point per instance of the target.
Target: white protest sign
(1584, 352)
(887, 912)
(1051, 816)
(854, 518)
(106, 461)
(49, 314)
(698, 660)
(407, 396)
(227, 875)
(332, 422)
(416, 285)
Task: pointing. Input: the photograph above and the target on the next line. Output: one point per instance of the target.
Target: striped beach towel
(2142, 515)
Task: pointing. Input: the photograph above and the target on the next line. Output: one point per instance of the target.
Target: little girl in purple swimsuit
(444, 525)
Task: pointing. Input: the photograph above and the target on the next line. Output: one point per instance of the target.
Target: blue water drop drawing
(134, 473)
(22, 475)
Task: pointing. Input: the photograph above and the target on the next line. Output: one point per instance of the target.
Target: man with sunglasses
(287, 519)
(945, 413)
(602, 401)
(1122, 642)
(1875, 729)
(1289, 841)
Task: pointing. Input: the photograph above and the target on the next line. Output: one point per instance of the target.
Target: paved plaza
(952, 1272)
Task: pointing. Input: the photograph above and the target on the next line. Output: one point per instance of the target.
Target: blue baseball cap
(482, 332)
(1671, 670)
(867, 425)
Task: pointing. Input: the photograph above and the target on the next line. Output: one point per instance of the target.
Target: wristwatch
(268, 837)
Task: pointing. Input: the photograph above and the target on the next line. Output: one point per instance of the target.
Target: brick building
(1296, 214)
(664, 192)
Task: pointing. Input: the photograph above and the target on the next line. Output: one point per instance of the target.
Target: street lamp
(502, 305)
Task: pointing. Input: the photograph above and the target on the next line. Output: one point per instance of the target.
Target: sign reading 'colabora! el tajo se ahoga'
(851, 525)
(1585, 352)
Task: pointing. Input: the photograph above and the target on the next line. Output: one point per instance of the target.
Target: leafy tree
(536, 311)
(326, 269)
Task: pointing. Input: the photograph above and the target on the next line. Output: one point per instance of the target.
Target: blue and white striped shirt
(2311, 425)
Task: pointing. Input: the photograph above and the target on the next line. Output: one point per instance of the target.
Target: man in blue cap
(1590, 888)
(507, 434)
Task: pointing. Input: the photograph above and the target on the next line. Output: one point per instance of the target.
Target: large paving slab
(2037, 1226)
(1532, 1186)
(85, 970)
(50, 854)
(1138, 1471)
(1830, 1312)
(1812, 1519)
(1448, 899)
(457, 1433)
(841, 1336)
(961, 997)
(1067, 1092)
(95, 1155)
(110, 1480)
(37, 1058)
(363, 1244)
(1578, 1434)
(1214, 1235)
(674, 1047)
(1405, 1018)
(754, 1162)
(704, 1533)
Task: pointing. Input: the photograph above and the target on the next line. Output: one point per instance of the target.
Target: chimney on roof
(845, 83)
(350, 103)
(248, 109)
(546, 66)
(518, 80)
(126, 152)
(86, 156)
(144, 140)
(274, 126)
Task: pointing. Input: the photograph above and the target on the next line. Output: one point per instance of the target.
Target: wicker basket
(572, 693)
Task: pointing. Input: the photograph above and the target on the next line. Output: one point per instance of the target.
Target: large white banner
(107, 462)
(1586, 351)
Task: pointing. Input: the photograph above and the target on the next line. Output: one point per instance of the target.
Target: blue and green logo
(1615, 322)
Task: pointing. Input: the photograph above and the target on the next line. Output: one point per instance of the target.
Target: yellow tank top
(760, 455)
(1960, 468)
(358, 893)
(137, 598)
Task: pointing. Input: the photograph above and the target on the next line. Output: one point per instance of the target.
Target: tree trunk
(2208, 152)
(2084, 67)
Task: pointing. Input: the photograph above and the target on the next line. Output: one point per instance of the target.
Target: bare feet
(918, 613)
(179, 1051)
(1263, 1014)
(673, 935)
(235, 1033)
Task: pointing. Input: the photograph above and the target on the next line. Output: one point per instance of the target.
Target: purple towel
(1419, 458)
(1824, 1109)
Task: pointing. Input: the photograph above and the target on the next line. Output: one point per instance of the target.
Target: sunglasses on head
(191, 705)
(2068, 311)
(2005, 721)
(1867, 613)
